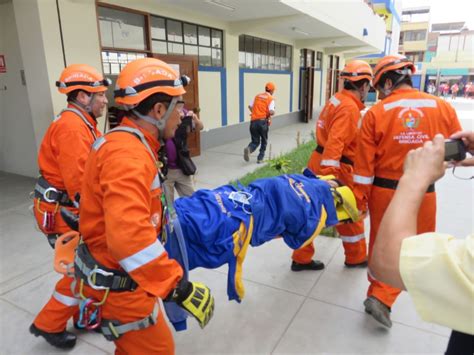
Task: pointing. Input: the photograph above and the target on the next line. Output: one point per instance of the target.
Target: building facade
(230, 49)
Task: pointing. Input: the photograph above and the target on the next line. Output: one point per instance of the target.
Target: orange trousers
(62, 305)
(378, 202)
(352, 234)
(127, 307)
(156, 339)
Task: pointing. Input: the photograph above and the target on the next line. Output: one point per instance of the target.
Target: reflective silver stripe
(156, 182)
(414, 103)
(335, 101)
(65, 300)
(142, 257)
(83, 118)
(364, 180)
(98, 143)
(330, 162)
(352, 238)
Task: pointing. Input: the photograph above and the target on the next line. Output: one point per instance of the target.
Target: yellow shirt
(438, 272)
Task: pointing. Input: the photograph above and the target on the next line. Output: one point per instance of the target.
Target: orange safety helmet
(81, 77)
(356, 70)
(391, 63)
(145, 77)
(270, 87)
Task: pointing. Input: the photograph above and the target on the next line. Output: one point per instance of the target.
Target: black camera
(454, 150)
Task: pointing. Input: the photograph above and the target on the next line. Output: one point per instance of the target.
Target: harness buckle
(95, 271)
(46, 192)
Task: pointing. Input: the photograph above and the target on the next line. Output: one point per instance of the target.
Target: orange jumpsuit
(336, 131)
(121, 217)
(401, 122)
(62, 156)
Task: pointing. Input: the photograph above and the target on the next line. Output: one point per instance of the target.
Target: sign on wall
(3, 66)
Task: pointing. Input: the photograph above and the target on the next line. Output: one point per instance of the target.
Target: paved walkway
(282, 313)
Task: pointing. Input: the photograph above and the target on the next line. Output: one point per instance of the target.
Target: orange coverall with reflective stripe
(62, 156)
(336, 131)
(401, 122)
(121, 217)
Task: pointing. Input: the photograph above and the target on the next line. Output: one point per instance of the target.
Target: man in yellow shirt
(438, 270)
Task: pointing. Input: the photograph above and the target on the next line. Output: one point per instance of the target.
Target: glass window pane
(216, 57)
(204, 37)
(158, 28)
(241, 59)
(241, 43)
(190, 34)
(277, 57)
(248, 44)
(175, 48)
(271, 48)
(205, 56)
(216, 39)
(264, 46)
(122, 29)
(159, 47)
(257, 61)
(249, 60)
(175, 32)
(190, 50)
(257, 45)
(264, 61)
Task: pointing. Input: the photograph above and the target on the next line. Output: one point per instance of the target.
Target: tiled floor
(282, 313)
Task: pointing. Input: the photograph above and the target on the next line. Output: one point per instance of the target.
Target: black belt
(98, 276)
(392, 184)
(344, 159)
(48, 193)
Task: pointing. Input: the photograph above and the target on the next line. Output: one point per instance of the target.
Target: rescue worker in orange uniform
(403, 120)
(262, 109)
(121, 266)
(62, 156)
(336, 133)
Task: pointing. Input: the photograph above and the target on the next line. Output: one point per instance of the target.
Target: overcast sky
(447, 10)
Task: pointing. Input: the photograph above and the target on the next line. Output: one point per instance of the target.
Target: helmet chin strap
(161, 123)
(88, 106)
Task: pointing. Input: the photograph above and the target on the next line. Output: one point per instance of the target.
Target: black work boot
(313, 265)
(352, 266)
(63, 340)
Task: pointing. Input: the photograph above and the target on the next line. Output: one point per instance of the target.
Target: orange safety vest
(391, 128)
(261, 102)
(121, 216)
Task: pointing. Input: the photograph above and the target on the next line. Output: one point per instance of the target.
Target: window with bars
(259, 53)
(170, 36)
(113, 62)
(121, 29)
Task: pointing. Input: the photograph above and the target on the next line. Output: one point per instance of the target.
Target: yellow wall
(411, 26)
(414, 46)
(210, 100)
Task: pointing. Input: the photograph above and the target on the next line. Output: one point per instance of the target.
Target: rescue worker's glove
(195, 298)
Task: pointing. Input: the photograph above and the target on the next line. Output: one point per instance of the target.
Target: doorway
(307, 83)
(187, 65)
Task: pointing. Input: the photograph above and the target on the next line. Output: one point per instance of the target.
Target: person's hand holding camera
(426, 164)
(468, 139)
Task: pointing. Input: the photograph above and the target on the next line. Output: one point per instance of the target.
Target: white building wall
(17, 138)
(211, 112)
